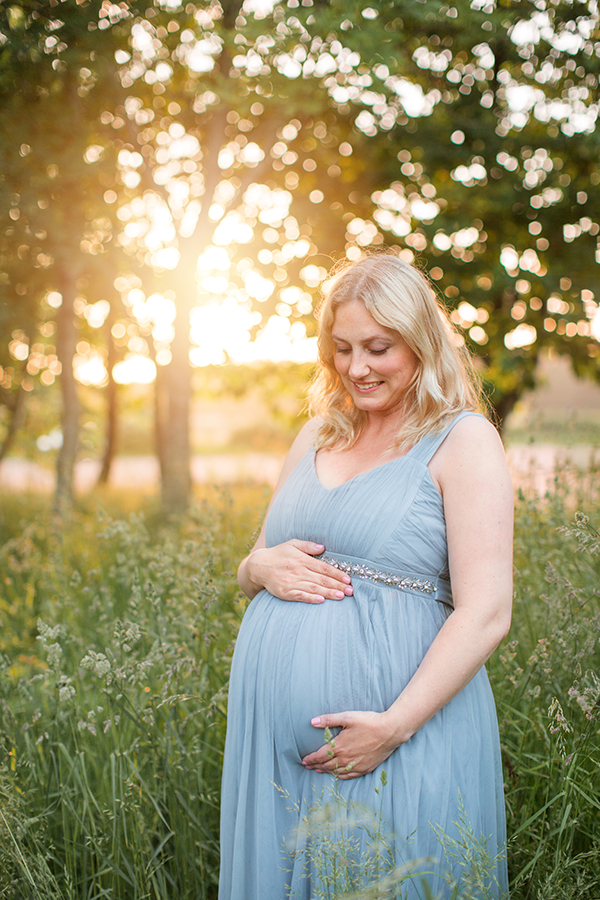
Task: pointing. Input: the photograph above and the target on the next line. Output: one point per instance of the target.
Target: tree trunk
(504, 407)
(174, 390)
(17, 414)
(66, 340)
(161, 401)
(174, 385)
(111, 409)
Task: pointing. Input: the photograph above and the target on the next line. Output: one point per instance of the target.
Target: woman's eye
(379, 352)
(342, 350)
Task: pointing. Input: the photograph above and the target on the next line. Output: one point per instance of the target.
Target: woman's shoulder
(305, 439)
(302, 444)
(473, 426)
(471, 434)
(471, 447)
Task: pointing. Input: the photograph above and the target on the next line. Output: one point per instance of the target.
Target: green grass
(553, 426)
(116, 639)
(548, 696)
(116, 634)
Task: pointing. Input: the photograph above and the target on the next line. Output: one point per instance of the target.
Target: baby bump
(330, 669)
(295, 661)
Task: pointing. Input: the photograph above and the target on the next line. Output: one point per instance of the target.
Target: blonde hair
(400, 297)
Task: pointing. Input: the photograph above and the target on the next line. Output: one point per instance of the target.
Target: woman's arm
(289, 570)
(471, 472)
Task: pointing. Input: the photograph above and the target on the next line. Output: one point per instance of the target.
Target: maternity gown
(294, 661)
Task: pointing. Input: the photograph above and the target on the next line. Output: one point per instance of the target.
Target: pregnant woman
(380, 584)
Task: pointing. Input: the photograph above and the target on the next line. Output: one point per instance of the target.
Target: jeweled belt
(439, 588)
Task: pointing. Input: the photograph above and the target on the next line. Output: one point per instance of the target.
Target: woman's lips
(368, 386)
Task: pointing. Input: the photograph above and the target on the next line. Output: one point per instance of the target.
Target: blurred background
(177, 181)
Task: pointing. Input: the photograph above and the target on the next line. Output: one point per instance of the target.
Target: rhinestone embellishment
(403, 582)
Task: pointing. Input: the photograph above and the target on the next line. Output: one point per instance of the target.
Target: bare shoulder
(303, 441)
(472, 436)
(302, 444)
(471, 453)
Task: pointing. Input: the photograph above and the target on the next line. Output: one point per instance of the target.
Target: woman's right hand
(291, 572)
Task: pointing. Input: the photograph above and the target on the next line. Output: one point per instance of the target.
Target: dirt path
(533, 466)
(142, 472)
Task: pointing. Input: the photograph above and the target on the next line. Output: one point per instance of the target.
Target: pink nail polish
(339, 595)
(316, 720)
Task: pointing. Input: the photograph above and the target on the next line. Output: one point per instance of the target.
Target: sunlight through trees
(177, 179)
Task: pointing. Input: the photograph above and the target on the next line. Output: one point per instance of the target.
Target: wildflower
(82, 725)
(66, 691)
(47, 632)
(587, 699)
(98, 662)
(560, 726)
(54, 655)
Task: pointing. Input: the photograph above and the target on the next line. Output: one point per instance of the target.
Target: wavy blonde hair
(400, 297)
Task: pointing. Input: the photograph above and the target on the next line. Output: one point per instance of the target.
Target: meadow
(116, 635)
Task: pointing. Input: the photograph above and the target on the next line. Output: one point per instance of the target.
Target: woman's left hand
(365, 741)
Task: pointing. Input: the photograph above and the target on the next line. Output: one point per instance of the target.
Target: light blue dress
(294, 661)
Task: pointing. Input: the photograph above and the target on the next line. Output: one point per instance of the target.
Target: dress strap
(424, 449)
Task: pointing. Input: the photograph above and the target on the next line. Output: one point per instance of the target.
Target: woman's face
(375, 364)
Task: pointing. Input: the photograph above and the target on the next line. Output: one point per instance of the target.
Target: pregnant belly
(295, 661)
(311, 691)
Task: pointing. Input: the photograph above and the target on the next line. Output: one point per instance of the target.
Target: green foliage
(342, 847)
(548, 695)
(512, 230)
(116, 637)
(347, 851)
(461, 135)
(281, 386)
(112, 718)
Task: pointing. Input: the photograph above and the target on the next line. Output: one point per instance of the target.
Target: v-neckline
(358, 474)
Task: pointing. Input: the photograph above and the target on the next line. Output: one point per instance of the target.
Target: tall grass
(116, 644)
(546, 684)
(116, 637)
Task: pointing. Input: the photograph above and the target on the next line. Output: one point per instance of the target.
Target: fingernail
(339, 595)
(348, 591)
(320, 600)
(346, 579)
(319, 547)
(316, 720)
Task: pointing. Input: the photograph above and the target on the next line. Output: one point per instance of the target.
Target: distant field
(561, 427)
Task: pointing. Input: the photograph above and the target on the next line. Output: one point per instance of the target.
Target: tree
(218, 163)
(390, 86)
(50, 188)
(229, 151)
(483, 131)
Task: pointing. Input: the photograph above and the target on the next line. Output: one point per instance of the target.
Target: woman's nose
(358, 366)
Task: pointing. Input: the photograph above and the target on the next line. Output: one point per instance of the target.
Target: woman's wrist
(396, 726)
(248, 578)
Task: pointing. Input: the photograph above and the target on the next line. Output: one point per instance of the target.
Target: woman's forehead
(353, 316)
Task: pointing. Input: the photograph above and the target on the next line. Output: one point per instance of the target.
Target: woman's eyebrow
(368, 340)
